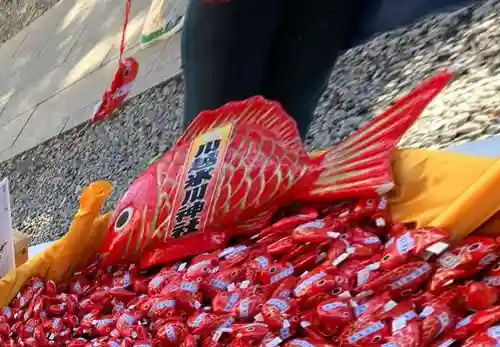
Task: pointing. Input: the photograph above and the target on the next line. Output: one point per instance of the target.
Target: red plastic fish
(123, 79)
(237, 165)
(203, 323)
(335, 312)
(172, 333)
(478, 296)
(401, 281)
(475, 254)
(276, 311)
(365, 334)
(307, 342)
(250, 331)
(318, 231)
(321, 280)
(412, 244)
(486, 338)
(287, 224)
(408, 336)
(121, 85)
(492, 277)
(437, 319)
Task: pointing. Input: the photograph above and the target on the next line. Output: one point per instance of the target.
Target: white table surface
(484, 148)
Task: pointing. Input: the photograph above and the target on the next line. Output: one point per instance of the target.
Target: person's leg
(310, 38)
(225, 46)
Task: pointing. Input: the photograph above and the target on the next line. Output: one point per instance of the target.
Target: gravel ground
(17, 14)
(46, 181)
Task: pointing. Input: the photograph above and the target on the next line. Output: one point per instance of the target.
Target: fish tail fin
(361, 164)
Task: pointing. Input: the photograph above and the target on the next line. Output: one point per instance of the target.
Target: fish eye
(386, 258)
(473, 247)
(321, 282)
(123, 219)
(369, 202)
(376, 339)
(337, 291)
(496, 267)
(406, 292)
(273, 269)
(250, 328)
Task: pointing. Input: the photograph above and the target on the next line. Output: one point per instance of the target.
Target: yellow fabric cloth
(452, 191)
(69, 253)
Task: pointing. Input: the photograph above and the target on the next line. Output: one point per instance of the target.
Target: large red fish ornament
(235, 166)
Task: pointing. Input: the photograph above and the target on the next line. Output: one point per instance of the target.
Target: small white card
(7, 254)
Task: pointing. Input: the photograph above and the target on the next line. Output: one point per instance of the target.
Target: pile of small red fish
(344, 276)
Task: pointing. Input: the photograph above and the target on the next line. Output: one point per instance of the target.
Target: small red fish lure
(123, 79)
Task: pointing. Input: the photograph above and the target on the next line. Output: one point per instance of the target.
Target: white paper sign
(7, 255)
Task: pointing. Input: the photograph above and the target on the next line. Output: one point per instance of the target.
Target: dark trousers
(281, 49)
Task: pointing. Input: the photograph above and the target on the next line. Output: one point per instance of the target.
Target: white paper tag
(363, 276)
(182, 266)
(7, 253)
(398, 323)
(322, 256)
(371, 240)
(463, 322)
(405, 243)
(365, 294)
(305, 324)
(488, 259)
(333, 235)
(226, 251)
(345, 294)
(438, 248)
(382, 205)
(390, 305)
(274, 342)
(426, 312)
(380, 222)
(217, 335)
(446, 343)
(449, 260)
(494, 332)
(341, 258)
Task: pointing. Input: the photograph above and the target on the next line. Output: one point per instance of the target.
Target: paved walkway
(55, 71)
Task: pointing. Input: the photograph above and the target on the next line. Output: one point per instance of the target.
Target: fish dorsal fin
(252, 111)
